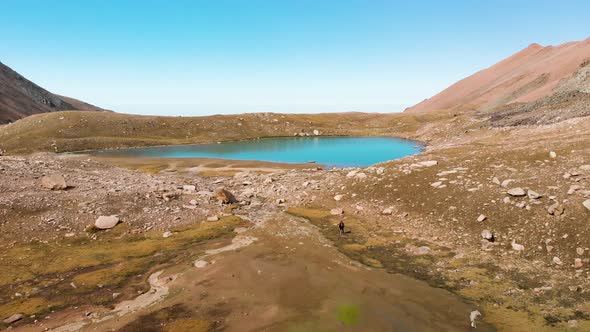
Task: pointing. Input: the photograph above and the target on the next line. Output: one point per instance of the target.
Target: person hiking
(341, 227)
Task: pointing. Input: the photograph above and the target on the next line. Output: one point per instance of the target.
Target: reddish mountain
(525, 76)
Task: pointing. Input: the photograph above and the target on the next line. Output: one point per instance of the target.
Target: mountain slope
(523, 77)
(20, 97)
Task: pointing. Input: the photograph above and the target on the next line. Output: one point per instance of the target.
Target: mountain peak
(523, 77)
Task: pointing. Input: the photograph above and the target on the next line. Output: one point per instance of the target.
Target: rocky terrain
(489, 226)
(20, 97)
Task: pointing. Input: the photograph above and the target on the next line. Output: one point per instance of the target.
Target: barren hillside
(524, 77)
(20, 97)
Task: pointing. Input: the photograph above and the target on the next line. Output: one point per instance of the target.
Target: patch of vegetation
(177, 318)
(348, 314)
(81, 270)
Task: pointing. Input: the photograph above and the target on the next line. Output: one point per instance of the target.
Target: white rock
(336, 211)
(587, 204)
(338, 197)
(213, 218)
(580, 251)
(473, 317)
(436, 184)
(585, 168)
(481, 218)
(557, 261)
(487, 234)
(316, 132)
(552, 154)
(516, 246)
(167, 234)
(419, 251)
(387, 211)
(496, 180)
(427, 163)
(506, 200)
(54, 182)
(106, 222)
(516, 192)
(201, 264)
(361, 175)
(351, 174)
(187, 188)
(578, 263)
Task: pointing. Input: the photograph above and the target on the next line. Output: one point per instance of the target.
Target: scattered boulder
(170, 196)
(336, 211)
(189, 189)
(14, 318)
(556, 209)
(316, 132)
(224, 197)
(351, 174)
(506, 182)
(557, 261)
(533, 194)
(213, 218)
(338, 197)
(419, 251)
(495, 180)
(516, 192)
(580, 251)
(487, 235)
(552, 154)
(427, 163)
(516, 246)
(53, 182)
(106, 222)
(585, 168)
(578, 263)
(201, 264)
(573, 188)
(586, 204)
(481, 218)
(387, 211)
(473, 316)
(167, 234)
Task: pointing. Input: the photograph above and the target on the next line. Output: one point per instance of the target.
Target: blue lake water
(329, 151)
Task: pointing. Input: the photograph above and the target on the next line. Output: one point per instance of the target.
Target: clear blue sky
(198, 57)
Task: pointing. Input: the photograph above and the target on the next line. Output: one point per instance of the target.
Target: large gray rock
(106, 222)
(516, 192)
(53, 182)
